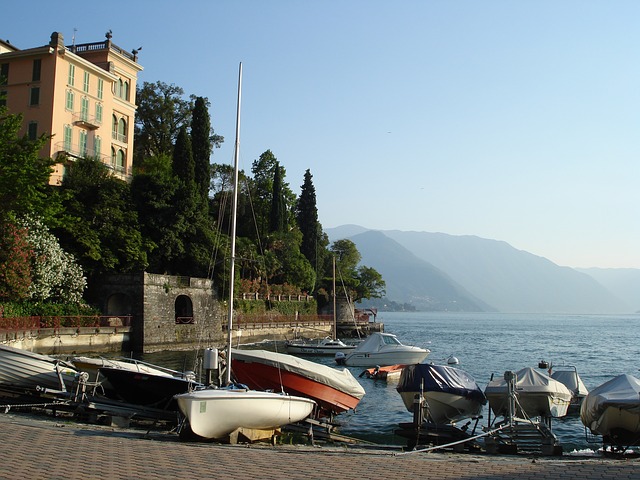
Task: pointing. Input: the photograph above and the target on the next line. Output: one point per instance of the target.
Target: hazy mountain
(622, 282)
(489, 273)
(412, 280)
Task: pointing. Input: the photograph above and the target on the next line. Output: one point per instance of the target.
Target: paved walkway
(55, 448)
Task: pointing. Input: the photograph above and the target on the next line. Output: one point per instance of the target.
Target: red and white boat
(334, 390)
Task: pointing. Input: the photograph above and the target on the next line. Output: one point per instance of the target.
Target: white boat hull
(24, 369)
(215, 413)
(538, 395)
(443, 407)
(613, 410)
(385, 359)
(323, 347)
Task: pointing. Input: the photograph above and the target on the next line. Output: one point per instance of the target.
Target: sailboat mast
(335, 313)
(234, 210)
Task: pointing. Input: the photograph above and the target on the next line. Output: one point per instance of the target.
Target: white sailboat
(214, 413)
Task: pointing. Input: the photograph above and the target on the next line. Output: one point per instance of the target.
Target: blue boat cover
(439, 378)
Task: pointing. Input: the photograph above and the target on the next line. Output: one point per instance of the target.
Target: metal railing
(55, 322)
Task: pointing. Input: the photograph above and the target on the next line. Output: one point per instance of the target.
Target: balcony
(86, 121)
(119, 137)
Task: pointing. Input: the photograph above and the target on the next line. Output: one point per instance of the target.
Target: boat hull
(538, 395)
(385, 359)
(450, 394)
(613, 410)
(214, 414)
(334, 391)
(32, 371)
(318, 348)
(443, 408)
(147, 389)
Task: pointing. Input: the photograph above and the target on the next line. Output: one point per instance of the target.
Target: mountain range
(441, 272)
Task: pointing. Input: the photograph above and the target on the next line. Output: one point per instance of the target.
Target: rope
(9, 407)
(491, 432)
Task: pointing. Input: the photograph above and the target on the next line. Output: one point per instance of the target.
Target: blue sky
(511, 120)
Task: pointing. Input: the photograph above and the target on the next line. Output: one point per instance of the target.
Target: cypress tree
(277, 219)
(201, 144)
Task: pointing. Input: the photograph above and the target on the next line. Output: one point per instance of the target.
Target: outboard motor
(340, 358)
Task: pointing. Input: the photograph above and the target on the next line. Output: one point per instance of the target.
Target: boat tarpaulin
(342, 380)
(622, 392)
(439, 378)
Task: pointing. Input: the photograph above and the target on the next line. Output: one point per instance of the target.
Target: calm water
(601, 347)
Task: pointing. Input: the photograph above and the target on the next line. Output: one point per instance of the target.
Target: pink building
(83, 95)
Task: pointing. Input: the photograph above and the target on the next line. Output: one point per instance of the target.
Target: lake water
(599, 346)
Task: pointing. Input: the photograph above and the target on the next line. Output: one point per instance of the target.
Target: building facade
(83, 95)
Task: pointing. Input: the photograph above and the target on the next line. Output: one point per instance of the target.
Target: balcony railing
(120, 137)
(86, 120)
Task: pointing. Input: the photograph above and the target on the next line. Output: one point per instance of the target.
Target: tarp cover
(621, 392)
(439, 378)
(529, 380)
(341, 380)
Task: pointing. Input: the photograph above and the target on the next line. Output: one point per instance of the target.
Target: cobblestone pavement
(52, 448)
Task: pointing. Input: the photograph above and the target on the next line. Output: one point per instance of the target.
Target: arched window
(120, 161)
(122, 127)
(125, 91)
(184, 310)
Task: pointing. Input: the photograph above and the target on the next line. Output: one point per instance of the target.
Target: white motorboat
(613, 410)
(450, 394)
(382, 349)
(215, 413)
(536, 395)
(324, 346)
(33, 371)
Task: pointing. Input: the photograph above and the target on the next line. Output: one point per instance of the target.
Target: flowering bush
(56, 276)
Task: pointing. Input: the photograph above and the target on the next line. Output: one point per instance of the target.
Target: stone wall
(168, 312)
(167, 300)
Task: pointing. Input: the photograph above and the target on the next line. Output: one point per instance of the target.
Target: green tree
(183, 163)
(16, 259)
(360, 281)
(100, 227)
(153, 188)
(314, 241)
(291, 266)
(203, 139)
(277, 217)
(24, 175)
(161, 112)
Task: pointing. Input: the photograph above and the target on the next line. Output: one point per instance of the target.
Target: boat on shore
(450, 394)
(214, 413)
(382, 349)
(613, 411)
(334, 390)
(33, 371)
(536, 395)
(93, 365)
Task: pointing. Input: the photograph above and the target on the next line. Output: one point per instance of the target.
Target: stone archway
(119, 304)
